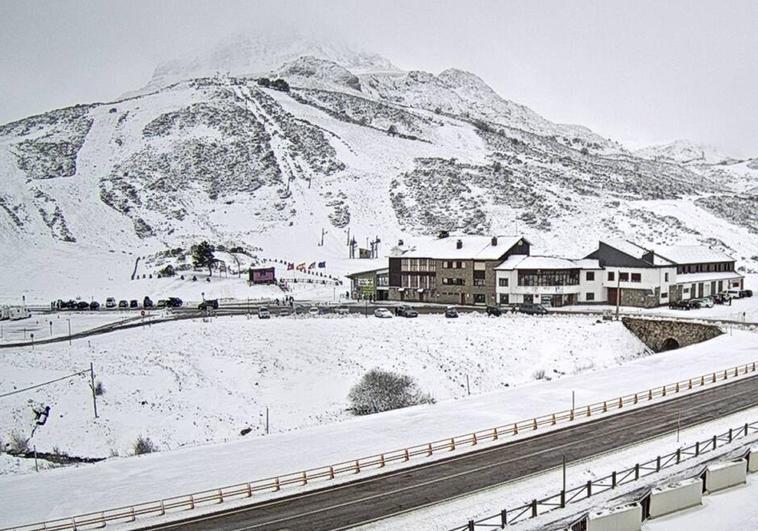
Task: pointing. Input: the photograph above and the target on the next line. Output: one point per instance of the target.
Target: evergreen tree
(202, 256)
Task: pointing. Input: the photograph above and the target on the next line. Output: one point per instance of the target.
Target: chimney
(494, 241)
(459, 244)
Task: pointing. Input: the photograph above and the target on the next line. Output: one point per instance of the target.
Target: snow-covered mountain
(345, 145)
(686, 152)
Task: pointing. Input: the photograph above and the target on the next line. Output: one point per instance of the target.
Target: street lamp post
(69, 331)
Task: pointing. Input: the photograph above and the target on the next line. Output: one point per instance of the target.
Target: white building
(700, 271)
(548, 280)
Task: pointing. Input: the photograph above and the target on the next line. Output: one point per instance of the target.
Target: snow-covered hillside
(351, 145)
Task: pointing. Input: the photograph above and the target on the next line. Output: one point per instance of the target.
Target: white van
(734, 293)
(16, 313)
(4, 313)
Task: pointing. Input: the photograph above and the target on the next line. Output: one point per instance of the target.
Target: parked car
(301, 310)
(147, 302)
(383, 313)
(208, 304)
(174, 302)
(342, 310)
(94, 305)
(162, 303)
(133, 303)
(494, 310)
(722, 298)
(406, 311)
(746, 293)
(735, 293)
(82, 305)
(123, 304)
(451, 312)
(680, 305)
(703, 302)
(264, 313)
(110, 302)
(313, 310)
(532, 309)
(285, 312)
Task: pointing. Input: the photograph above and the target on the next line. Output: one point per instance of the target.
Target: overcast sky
(641, 72)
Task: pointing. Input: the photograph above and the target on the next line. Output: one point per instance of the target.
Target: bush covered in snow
(143, 445)
(99, 389)
(380, 390)
(18, 444)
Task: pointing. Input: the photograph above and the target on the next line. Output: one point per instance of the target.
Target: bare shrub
(143, 445)
(539, 374)
(18, 444)
(380, 390)
(99, 388)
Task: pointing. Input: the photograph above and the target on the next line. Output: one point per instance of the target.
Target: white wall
(516, 293)
(725, 475)
(665, 500)
(628, 518)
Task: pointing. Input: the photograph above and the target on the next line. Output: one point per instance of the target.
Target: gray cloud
(639, 71)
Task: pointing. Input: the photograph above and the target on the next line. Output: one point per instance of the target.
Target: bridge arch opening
(669, 344)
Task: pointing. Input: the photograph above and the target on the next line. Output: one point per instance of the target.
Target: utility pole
(678, 424)
(468, 387)
(564, 474)
(266, 420)
(573, 400)
(322, 237)
(69, 332)
(92, 385)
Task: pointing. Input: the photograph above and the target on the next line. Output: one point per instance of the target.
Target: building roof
(707, 277)
(636, 251)
(473, 248)
(692, 254)
(520, 261)
(378, 271)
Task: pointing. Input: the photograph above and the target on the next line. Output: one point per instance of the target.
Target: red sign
(264, 275)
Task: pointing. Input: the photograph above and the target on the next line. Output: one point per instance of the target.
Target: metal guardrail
(615, 479)
(348, 468)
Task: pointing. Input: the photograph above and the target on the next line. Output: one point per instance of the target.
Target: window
(624, 277)
(665, 277)
(479, 298)
(480, 266)
(664, 295)
(590, 296)
(611, 276)
(502, 282)
(560, 277)
(479, 282)
(637, 277)
(590, 276)
(453, 282)
(504, 298)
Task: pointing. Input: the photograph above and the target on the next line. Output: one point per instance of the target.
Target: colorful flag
(290, 266)
(301, 266)
(322, 265)
(313, 264)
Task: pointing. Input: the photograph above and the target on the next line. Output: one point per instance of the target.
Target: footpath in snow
(123, 481)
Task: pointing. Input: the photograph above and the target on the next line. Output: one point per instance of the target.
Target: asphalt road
(351, 504)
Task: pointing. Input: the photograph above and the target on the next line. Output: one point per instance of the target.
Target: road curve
(351, 504)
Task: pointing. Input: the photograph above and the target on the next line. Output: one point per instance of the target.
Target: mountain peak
(251, 55)
(685, 152)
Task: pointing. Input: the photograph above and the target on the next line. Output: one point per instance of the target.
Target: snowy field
(185, 470)
(195, 382)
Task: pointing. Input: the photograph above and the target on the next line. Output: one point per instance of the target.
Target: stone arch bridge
(661, 335)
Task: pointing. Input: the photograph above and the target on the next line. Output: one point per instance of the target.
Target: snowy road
(363, 501)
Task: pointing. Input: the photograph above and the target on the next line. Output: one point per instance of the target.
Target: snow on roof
(474, 247)
(636, 251)
(692, 254)
(707, 277)
(378, 271)
(520, 261)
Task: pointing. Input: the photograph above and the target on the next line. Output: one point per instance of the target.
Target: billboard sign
(264, 275)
